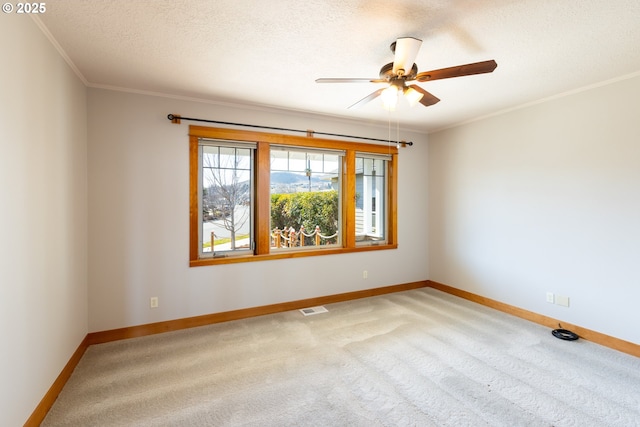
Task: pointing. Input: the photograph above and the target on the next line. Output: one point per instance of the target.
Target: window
(226, 188)
(305, 197)
(259, 196)
(371, 185)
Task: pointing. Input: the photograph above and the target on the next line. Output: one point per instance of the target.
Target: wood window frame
(262, 194)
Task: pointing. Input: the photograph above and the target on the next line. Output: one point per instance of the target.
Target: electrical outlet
(550, 297)
(365, 274)
(153, 302)
(562, 300)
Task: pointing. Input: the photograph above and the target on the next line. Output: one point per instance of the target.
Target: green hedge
(306, 209)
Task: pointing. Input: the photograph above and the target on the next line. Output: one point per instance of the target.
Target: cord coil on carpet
(564, 334)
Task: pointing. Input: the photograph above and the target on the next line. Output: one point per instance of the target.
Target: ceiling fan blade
(427, 98)
(458, 71)
(350, 80)
(367, 98)
(406, 51)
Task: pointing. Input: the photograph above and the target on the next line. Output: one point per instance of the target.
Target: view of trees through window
(305, 198)
(226, 198)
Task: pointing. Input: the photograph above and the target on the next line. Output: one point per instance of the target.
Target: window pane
(315, 162)
(210, 156)
(379, 167)
(227, 157)
(279, 160)
(243, 158)
(305, 200)
(371, 204)
(368, 166)
(331, 163)
(297, 161)
(226, 200)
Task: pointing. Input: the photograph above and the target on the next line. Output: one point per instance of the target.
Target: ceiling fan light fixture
(413, 96)
(390, 97)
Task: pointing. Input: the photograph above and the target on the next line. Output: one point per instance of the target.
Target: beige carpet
(415, 358)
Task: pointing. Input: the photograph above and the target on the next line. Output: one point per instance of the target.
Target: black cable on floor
(564, 334)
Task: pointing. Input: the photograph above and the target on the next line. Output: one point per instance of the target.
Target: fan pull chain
(389, 126)
(397, 132)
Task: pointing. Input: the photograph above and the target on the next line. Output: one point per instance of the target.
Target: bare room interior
(506, 197)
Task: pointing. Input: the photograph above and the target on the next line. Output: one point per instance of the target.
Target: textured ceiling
(269, 53)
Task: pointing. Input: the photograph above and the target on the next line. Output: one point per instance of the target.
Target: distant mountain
(291, 178)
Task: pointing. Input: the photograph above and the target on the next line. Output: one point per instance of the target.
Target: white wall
(139, 219)
(545, 198)
(43, 218)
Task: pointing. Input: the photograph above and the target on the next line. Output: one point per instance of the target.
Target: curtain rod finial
(175, 118)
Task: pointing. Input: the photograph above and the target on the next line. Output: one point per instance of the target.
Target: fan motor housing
(386, 72)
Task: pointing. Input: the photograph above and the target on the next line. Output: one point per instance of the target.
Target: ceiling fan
(403, 70)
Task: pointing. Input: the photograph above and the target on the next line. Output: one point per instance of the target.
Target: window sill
(286, 255)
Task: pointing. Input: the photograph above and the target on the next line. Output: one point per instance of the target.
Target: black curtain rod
(175, 118)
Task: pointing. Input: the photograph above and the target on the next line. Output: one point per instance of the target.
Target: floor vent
(313, 310)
